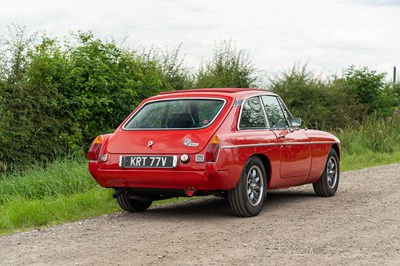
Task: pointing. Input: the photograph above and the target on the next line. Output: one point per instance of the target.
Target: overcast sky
(329, 34)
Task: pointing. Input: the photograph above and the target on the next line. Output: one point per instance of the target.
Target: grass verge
(65, 191)
(62, 192)
(22, 214)
(367, 159)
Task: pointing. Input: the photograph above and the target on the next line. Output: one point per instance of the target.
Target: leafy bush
(29, 105)
(227, 68)
(174, 75)
(370, 89)
(104, 83)
(56, 98)
(321, 104)
(336, 102)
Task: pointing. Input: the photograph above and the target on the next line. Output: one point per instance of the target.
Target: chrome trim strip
(238, 103)
(283, 106)
(120, 161)
(276, 144)
(263, 110)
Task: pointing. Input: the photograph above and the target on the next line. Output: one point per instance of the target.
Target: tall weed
(375, 134)
(63, 177)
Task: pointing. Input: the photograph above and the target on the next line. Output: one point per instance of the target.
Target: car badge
(150, 143)
(189, 143)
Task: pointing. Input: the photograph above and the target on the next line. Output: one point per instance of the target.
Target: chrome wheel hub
(255, 185)
(332, 172)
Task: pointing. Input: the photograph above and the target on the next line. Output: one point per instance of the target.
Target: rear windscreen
(176, 114)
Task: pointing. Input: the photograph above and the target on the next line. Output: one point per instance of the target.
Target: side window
(275, 114)
(252, 116)
(286, 111)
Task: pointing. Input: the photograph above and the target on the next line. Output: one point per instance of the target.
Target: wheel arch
(335, 146)
(267, 165)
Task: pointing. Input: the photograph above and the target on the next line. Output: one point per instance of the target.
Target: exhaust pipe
(130, 194)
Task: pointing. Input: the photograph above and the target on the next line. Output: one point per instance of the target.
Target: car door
(295, 150)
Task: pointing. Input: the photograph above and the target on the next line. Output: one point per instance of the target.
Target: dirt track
(359, 226)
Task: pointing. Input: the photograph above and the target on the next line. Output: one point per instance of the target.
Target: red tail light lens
(212, 150)
(94, 151)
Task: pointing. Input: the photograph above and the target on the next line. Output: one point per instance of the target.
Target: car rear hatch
(170, 126)
(159, 142)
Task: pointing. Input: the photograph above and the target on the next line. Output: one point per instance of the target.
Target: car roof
(229, 92)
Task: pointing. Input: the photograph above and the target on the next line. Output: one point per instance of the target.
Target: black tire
(328, 184)
(248, 197)
(132, 205)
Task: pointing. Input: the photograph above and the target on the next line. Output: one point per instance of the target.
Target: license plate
(148, 161)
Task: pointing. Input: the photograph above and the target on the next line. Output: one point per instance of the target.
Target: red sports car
(237, 143)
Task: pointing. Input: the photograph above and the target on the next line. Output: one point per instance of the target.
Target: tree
(227, 68)
(320, 103)
(370, 89)
(175, 76)
(14, 54)
(30, 120)
(55, 99)
(104, 83)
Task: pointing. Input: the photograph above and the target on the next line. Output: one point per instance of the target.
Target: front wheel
(247, 198)
(132, 205)
(328, 184)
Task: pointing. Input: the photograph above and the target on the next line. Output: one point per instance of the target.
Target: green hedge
(55, 97)
(59, 97)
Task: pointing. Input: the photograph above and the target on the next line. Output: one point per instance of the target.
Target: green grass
(375, 142)
(63, 177)
(367, 159)
(43, 197)
(375, 134)
(24, 214)
(64, 190)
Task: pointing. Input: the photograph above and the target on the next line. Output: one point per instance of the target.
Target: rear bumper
(209, 179)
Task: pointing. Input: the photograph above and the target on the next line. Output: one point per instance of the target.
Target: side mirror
(296, 122)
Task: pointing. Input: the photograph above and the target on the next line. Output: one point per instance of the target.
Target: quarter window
(274, 112)
(252, 116)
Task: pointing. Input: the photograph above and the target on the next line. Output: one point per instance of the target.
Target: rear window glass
(182, 113)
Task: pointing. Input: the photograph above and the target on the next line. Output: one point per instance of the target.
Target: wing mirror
(296, 122)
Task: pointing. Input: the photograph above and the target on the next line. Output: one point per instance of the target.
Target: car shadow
(219, 207)
(208, 206)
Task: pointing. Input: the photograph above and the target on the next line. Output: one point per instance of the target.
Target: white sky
(329, 34)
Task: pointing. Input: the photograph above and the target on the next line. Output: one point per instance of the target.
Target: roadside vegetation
(57, 95)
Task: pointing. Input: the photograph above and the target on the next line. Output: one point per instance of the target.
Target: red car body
(211, 158)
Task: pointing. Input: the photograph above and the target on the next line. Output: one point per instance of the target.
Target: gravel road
(358, 226)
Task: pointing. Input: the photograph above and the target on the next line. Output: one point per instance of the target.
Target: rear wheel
(328, 184)
(132, 205)
(247, 198)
